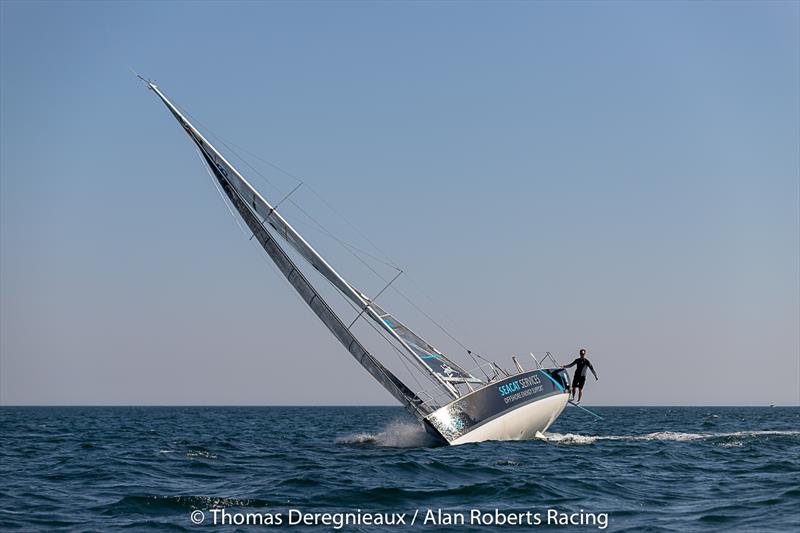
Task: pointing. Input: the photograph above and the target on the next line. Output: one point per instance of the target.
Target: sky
(623, 177)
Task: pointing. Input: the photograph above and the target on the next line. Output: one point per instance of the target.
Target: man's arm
(575, 362)
(592, 369)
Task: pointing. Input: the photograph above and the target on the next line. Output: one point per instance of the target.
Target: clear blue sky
(621, 176)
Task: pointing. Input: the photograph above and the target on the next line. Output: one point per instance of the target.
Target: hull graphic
(514, 408)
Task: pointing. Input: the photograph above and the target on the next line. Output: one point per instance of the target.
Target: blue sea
(372, 468)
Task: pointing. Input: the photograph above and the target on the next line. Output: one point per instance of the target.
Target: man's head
(582, 352)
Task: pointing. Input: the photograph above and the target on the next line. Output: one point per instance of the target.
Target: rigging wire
(402, 355)
(322, 198)
(349, 247)
(374, 298)
(386, 261)
(346, 244)
(236, 219)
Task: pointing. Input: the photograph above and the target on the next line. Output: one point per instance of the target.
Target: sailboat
(461, 408)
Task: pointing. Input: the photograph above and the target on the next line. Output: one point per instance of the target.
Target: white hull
(520, 424)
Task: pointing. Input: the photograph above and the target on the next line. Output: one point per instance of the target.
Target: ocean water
(149, 468)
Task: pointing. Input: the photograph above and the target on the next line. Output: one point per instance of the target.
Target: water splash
(398, 434)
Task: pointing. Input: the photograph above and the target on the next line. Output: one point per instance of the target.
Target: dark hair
(583, 351)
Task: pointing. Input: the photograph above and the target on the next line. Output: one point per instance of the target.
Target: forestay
(442, 369)
(295, 277)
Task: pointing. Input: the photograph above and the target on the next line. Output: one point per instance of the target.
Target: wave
(573, 438)
(398, 434)
(403, 434)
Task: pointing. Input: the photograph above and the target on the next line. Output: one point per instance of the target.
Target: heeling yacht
(461, 408)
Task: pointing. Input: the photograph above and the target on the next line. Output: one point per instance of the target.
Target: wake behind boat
(461, 408)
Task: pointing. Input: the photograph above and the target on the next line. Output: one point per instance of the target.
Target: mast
(247, 206)
(260, 206)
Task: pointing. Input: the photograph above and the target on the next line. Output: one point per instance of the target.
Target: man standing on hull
(582, 366)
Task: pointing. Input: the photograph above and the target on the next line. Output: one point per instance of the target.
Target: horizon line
(370, 406)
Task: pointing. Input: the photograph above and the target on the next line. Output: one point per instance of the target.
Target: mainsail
(258, 213)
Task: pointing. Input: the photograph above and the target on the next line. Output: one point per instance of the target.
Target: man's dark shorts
(578, 382)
